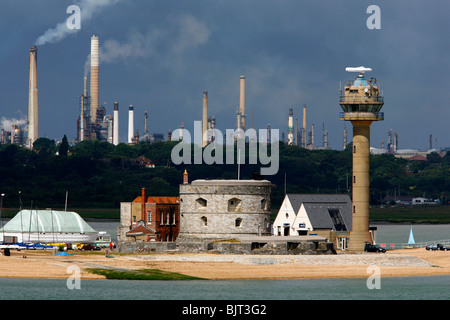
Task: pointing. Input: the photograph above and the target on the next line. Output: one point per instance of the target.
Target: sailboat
(411, 241)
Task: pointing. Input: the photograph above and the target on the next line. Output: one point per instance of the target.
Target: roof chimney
(185, 177)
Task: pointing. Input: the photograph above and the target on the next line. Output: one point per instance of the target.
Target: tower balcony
(361, 116)
(352, 99)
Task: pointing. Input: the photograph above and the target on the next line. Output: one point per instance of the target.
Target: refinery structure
(95, 123)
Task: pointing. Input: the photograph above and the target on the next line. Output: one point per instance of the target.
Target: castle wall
(221, 209)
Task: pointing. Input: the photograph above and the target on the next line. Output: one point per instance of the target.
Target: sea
(254, 291)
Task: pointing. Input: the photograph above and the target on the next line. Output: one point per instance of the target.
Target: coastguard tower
(361, 103)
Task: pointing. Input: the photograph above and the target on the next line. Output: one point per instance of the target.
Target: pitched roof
(166, 200)
(140, 230)
(317, 205)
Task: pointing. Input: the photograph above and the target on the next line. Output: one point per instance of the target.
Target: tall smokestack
(242, 102)
(94, 78)
(83, 110)
(304, 127)
(205, 119)
(291, 127)
(33, 109)
(116, 124)
(146, 123)
(130, 124)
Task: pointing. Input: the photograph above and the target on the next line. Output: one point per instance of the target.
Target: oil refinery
(96, 123)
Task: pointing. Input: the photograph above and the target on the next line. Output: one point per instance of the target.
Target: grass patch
(414, 214)
(141, 274)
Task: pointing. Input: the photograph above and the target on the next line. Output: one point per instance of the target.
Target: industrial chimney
(304, 127)
(291, 127)
(33, 109)
(116, 124)
(205, 119)
(242, 103)
(94, 78)
(130, 124)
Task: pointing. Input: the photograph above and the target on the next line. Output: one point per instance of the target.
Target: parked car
(432, 247)
(373, 248)
(436, 247)
(90, 247)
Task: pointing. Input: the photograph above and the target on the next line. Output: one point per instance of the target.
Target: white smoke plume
(6, 124)
(184, 32)
(88, 8)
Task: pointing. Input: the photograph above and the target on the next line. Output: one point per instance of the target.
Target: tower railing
(362, 115)
(361, 99)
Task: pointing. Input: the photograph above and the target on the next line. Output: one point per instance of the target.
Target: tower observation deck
(361, 103)
(361, 99)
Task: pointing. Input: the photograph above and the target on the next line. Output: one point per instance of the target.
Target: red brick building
(154, 218)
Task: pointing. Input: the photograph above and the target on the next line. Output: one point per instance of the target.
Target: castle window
(234, 205)
(202, 202)
(263, 204)
(238, 222)
(204, 221)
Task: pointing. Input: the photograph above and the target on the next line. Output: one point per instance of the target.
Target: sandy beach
(407, 262)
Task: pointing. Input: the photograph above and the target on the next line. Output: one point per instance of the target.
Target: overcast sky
(159, 55)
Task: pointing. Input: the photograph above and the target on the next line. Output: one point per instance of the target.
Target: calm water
(397, 288)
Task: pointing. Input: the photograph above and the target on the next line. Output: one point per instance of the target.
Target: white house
(328, 215)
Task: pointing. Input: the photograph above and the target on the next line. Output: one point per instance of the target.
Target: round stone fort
(224, 209)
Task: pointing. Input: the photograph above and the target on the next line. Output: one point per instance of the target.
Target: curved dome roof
(47, 221)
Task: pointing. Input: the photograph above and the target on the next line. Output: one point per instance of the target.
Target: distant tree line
(99, 174)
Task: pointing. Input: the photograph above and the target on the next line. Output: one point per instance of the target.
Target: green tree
(63, 147)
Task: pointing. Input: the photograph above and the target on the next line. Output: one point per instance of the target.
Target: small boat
(411, 241)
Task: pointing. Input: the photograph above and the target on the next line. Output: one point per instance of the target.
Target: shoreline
(401, 262)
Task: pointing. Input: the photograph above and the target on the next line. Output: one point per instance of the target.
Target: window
(204, 221)
(149, 217)
(167, 217)
(234, 205)
(238, 222)
(202, 203)
(162, 218)
(354, 149)
(263, 204)
(173, 218)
